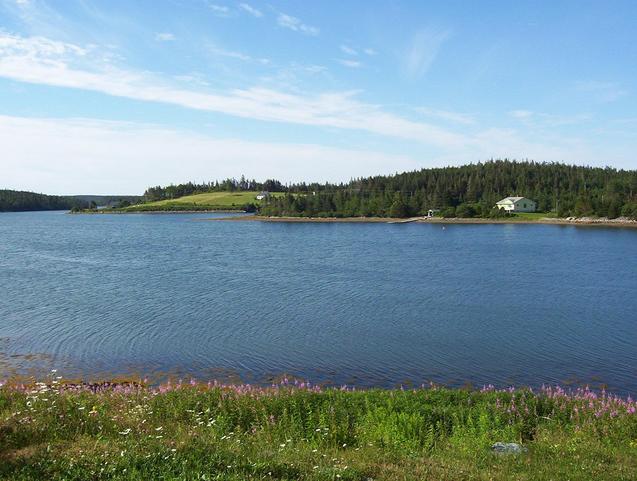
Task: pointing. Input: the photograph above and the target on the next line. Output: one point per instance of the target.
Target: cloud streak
(456, 117)
(89, 154)
(350, 63)
(236, 55)
(165, 37)
(544, 120)
(605, 92)
(423, 50)
(220, 10)
(251, 10)
(42, 61)
(348, 50)
(296, 25)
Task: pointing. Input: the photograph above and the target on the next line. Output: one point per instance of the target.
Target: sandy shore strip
(583, 221)
(358, 220)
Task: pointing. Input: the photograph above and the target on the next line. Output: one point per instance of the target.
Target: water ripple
(371, 304)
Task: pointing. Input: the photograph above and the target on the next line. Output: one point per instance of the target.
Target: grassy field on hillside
(299, 432)
(207, 201)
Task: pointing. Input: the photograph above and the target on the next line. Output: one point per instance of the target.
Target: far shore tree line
(20, 201)
(467, 191)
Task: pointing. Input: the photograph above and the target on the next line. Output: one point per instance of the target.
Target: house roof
(512, 199)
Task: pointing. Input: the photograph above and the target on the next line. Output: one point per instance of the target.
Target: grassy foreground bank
(289, 432)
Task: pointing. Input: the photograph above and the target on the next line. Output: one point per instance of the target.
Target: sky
(114, 96)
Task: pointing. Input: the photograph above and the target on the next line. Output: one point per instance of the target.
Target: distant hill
(464, 191)
(231, 201)
(20, 201)
(108, 200)
(472, 191)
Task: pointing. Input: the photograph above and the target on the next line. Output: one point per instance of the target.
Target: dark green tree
(398, 207)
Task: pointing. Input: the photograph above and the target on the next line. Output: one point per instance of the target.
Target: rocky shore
(584, 221)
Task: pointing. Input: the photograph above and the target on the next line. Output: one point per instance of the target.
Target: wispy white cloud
(220, 10)
(36, 16)
(43, 61)
(40, 48)
(314, 69)
(93, 154)
(348, 50)
(423, 50)
(251, 10)
(542, 119)
(80, 156)
(293, 76)
(194, 78)
(165, 37)
(20, 4)
(236, 55)
(295, 24)
(521, 114)
(350, 63)
(602, 91)
(456, 117)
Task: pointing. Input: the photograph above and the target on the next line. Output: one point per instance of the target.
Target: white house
(263, 195)
(516, 204)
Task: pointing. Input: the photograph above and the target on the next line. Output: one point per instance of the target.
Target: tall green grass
(206, 432)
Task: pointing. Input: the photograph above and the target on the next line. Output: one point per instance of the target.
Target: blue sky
(109, 97)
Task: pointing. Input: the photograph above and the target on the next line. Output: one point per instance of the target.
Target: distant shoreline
(584, 221)
(203, 211)
(573, 221)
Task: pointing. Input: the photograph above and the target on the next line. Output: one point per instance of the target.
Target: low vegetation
(294, 431)
(231, 201)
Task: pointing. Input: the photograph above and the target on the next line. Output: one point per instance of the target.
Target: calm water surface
(368, 304)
